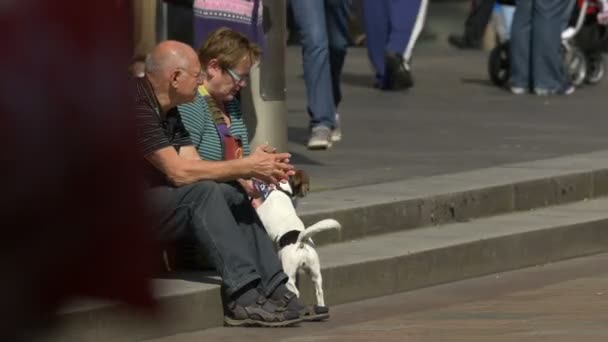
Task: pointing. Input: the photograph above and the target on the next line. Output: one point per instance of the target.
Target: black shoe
(397, 76)
(461, 42)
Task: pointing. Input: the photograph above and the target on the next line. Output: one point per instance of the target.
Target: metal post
(264, 105)
(161, 21)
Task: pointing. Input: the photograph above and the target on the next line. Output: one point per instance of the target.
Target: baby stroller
(583, 41)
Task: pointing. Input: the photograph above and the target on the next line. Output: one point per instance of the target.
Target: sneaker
(567, 89)
(308, 313)
(336, 133)
(542, 92)
(518, 90)
(262, 313)
(319, 138)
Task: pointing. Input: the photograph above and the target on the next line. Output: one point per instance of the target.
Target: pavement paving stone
(561, 302)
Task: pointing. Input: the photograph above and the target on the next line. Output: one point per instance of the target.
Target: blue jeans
(220, 218)
(536, 51)
(323, 26)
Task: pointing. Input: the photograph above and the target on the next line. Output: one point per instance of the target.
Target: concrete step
(375, 266)
(397, 262)
(395, 206)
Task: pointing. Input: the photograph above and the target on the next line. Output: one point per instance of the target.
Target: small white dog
(295, 246)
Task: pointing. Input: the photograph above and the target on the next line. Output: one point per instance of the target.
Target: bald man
(185, 199)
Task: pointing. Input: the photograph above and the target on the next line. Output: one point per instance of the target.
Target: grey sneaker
(336, 133)
(319, 138)
(262, 313)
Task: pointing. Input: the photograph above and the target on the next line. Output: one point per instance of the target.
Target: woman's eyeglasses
(236, 77)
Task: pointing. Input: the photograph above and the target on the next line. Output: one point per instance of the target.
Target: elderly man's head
(227, 58)
(174, 69)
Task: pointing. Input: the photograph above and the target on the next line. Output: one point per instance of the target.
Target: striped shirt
(155, 130)
(204, 134)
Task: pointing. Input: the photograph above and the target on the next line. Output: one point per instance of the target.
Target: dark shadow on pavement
(358, 80)
(207, 276)
(478, 81)
(298, 135)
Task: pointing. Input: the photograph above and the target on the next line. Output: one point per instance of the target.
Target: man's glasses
(236, 77)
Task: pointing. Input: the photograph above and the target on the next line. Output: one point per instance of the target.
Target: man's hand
(269, 149)
(270, 167)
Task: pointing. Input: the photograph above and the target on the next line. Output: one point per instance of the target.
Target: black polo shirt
(156, 131)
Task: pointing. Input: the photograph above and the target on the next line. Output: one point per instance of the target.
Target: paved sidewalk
(561, 302)
(453, 120)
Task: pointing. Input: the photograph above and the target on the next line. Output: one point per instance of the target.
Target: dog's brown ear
(301, 183)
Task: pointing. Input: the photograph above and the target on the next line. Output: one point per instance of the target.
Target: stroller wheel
(499, 65)
(576, 66)
(595, 70)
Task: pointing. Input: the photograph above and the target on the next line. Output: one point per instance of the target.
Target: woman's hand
(271, 168)
(250, 189)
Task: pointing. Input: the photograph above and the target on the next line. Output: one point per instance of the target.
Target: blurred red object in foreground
(70, 198)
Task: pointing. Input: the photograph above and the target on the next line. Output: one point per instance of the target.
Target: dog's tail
(318, 227)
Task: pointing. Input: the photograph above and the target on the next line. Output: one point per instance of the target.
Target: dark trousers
(221, 219)
(391, 26)
(478, 19)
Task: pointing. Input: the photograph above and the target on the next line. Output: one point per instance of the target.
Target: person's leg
(356, 25)
(265, 258)
(418, 24)
(520, 45)
(201, 209)
(406, 22)
(293, 37)
(377, 23)
(310, 18)
(253, 234)
(337, 14)
(388, 26)
(550, 17)
(477, 21)
(401, 14)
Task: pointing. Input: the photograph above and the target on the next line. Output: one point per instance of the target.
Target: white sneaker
(567, 89)
(518, 90)
(319, 138)
(336, 133)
